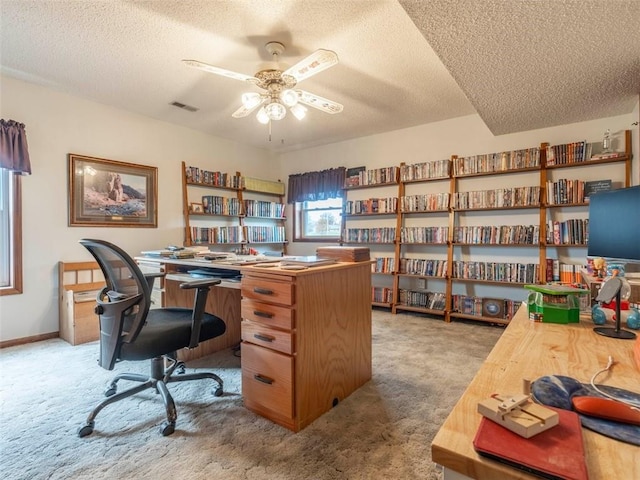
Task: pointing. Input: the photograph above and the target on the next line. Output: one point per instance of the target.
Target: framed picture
(197, 208)
(108, 193)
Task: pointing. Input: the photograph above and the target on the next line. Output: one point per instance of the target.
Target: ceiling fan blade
(244, 111)
(315, 63)
(220, 71)
(315, 101)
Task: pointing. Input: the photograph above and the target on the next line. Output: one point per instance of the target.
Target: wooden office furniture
(306, 334)
(529, 350)
(429, 216)
(306, 339)
(78, 286)
(223, 301)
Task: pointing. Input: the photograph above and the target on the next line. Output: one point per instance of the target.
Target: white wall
(59, 124)
(460, 136)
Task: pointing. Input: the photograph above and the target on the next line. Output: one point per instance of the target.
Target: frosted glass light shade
(299, 111)
(289, 97)
(262, 116)
(276, 111)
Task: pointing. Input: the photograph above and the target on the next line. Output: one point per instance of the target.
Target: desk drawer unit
(259, 334)
(267, 379)
(269, 290)
(267, 314)
(268, 345)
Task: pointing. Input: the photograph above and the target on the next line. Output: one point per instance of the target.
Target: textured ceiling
(519, 64)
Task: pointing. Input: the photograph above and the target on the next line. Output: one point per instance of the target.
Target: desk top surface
(529, 350)
(247, 264)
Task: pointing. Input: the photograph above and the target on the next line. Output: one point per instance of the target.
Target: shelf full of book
(490, 221)
(217, 214)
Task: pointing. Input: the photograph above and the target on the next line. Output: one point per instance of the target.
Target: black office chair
(129, 330)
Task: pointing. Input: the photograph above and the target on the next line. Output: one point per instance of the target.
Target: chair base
(158, 380)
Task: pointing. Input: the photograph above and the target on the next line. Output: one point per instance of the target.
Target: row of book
(216, 179)
(494, 235)
(371, 205)
(557, 271)
(265, 234)
(423, 266)
(566, 153)
(425, 203)
(496, 271)
(568, 232)
(425, 170)
(261, 208)
(424, 234)
(208, 235)
(501, 308)
(215, 205)
(498, 198)
(381, 295)
(422, 299)
(371, 235)
(384, 265)
(497, 162)
(360, 176)
(565, 191)
(238, 234)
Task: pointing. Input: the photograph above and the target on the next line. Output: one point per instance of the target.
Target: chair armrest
(203, 287)
(151, 277)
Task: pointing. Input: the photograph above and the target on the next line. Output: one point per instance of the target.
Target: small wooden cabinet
(306, 340)
(78, 287)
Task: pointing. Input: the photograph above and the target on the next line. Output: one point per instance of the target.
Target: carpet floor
(421, 366)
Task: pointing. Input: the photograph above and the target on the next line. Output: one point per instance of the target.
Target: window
(10, 234)
(318, 220)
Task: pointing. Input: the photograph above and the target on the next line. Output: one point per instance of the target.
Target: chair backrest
(124, 280)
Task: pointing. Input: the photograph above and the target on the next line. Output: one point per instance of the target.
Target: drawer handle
(264, 338)
(258, 313)
(262, 379)
(263, 291)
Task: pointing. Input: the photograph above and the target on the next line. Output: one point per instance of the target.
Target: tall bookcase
(232, 212)
(446, 233)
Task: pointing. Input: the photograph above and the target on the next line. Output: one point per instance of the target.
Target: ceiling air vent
(189, 108)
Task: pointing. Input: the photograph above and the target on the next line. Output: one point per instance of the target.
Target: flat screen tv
(614, 224)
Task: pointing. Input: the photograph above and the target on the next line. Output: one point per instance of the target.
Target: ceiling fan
(279, 86)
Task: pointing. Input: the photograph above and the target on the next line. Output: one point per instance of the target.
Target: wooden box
(78, 285)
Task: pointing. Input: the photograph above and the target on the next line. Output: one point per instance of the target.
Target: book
(557, 453)
(307, 261)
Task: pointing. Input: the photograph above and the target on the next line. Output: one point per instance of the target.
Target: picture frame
(196, 208)
(110, 193)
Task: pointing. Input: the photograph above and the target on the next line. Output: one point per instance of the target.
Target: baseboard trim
(25, 340)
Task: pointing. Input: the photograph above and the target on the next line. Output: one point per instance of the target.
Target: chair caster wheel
(85, 430)
(167, 428)
(218, 392)
(110, 391)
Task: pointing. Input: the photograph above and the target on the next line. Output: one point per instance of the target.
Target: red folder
(557, 453)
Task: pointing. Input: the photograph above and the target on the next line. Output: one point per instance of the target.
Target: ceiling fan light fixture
(262, 116)
(275, 111)
(289, 97)
(251, 99)
(299, 111)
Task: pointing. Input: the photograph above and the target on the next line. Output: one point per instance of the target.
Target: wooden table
(529, 350)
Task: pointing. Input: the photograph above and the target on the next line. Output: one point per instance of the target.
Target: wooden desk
(306, 334)
(531, 350)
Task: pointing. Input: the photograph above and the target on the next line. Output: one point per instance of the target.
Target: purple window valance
(14, 154)
(311, 186)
